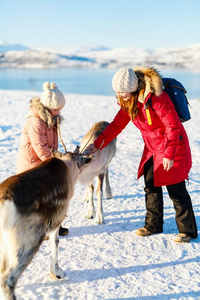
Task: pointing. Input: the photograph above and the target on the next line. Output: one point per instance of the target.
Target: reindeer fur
(97, 168)
(32, 205)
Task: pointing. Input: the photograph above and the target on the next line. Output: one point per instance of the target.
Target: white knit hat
(125, 81)
(52, 97)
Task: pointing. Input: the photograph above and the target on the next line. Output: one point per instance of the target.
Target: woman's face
(54, 112)
(125, 96)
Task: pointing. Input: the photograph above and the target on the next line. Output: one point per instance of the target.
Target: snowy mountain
(100, 57)
(4, 47)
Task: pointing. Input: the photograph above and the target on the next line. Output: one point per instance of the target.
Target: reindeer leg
(90, 209)
(86, 197)
(11, 275)
(3, 264)
(8, 282)
(99, 193)
(108, 188)
(55, 271)
(18, 249)
(5, 292)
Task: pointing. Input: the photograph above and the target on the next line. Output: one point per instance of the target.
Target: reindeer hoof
(56, 277)
(58, 273)
(53, 276)
(99, 221)
(109, 196)
(89, 217)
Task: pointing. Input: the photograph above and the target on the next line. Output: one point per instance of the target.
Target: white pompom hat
(125, 81)
(52, 97)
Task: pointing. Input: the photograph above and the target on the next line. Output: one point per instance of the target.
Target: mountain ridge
(19, 56)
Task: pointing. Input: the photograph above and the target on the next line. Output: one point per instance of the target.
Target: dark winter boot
(63, 231)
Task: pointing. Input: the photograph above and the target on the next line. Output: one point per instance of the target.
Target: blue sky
(112, 23)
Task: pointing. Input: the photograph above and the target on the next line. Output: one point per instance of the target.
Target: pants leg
(185, 218)
(153, 200)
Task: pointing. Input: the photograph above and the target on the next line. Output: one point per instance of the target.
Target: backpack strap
(175, 86)
(166, 85)
(147, 105)
(148, 116)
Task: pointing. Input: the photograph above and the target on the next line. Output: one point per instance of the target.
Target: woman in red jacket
(166, 158)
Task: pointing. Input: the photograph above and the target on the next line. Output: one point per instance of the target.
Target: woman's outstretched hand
(167, 163)
(90, 150)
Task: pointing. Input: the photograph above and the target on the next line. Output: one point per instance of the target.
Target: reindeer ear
(76, 151)
(55, 153)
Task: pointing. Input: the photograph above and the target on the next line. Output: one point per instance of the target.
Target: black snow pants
(185, 218)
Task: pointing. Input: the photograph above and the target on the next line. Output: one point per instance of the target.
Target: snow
(108, 261)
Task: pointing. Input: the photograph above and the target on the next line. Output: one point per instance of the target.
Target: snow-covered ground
(108, 261)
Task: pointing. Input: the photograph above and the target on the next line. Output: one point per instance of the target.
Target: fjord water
(84, 81)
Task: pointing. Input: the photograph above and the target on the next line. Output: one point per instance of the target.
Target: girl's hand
(167, 163)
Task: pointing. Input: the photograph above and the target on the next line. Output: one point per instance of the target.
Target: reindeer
(32, 205)
(97, 168)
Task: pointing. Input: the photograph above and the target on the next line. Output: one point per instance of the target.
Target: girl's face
(54, 112)
(125, 96)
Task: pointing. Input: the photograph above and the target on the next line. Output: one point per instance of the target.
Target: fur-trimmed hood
(149, 81)
(38, 109)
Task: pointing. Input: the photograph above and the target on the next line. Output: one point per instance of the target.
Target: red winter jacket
(165, 138)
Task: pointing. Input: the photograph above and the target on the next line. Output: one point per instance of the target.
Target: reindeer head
(80, 159)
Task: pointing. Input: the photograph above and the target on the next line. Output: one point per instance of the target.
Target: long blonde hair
(130, 105)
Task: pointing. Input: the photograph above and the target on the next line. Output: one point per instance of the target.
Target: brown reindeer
(32, 205)
(97, 168)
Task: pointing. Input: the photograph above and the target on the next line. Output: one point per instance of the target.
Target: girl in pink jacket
(166, 158)
(39, 134)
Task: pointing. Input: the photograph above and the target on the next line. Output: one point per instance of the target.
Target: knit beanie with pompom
(52, 97)
(125, 81)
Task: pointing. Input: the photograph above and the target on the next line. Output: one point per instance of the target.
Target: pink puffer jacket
(39, 135)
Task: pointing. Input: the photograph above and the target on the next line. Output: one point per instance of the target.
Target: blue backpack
(176, 92)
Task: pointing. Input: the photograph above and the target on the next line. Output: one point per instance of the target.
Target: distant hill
(4, 47)
(18, 56)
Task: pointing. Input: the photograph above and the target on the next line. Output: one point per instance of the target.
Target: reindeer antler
(58, 126)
